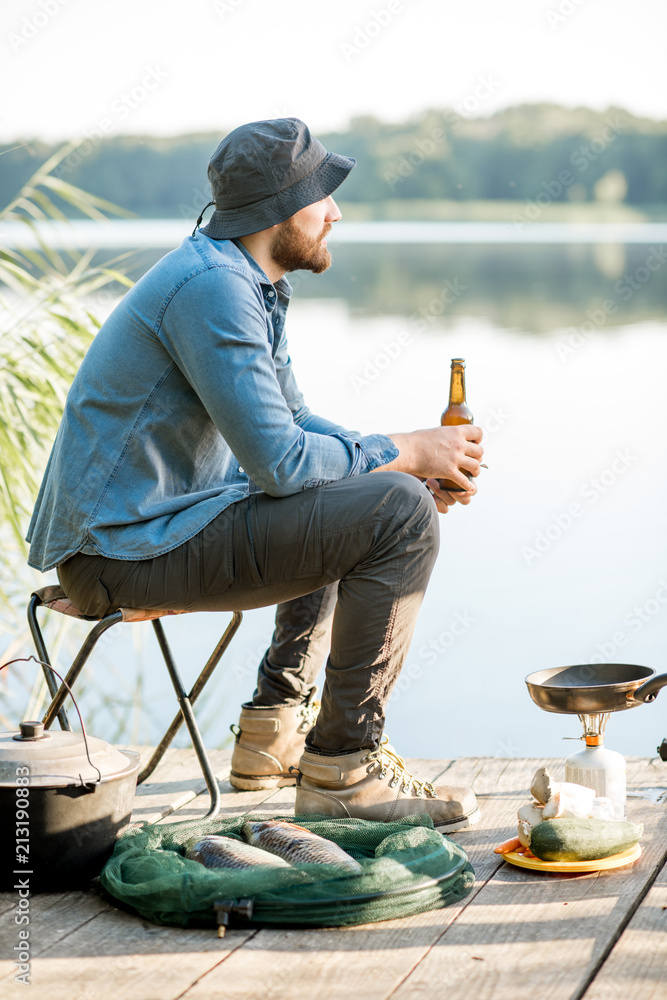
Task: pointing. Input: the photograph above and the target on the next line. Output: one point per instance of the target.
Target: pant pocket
(216, 560)
(277, 539)
(286, 536)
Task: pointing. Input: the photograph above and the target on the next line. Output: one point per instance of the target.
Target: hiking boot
(376, 785)
(268, 742)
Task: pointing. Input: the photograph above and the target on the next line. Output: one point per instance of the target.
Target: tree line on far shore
(532, 154)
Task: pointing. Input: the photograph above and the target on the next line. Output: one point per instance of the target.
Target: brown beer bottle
(457, 412)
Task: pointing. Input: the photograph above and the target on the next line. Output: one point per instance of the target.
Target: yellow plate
(563, 867)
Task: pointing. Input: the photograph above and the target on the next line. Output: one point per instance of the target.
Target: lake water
(560, 558)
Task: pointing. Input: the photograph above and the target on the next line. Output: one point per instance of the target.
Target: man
(188, 474)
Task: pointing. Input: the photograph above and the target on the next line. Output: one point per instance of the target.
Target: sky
(71, 68)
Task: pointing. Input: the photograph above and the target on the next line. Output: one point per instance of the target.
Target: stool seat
(54, 598)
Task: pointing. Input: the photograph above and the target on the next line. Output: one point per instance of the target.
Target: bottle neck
(457, 385)
(594, 741)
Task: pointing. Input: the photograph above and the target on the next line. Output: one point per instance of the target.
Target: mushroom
(542, 786)
(556, 800)
(569, 801)
(529, 816)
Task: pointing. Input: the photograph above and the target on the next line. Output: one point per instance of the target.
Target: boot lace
(386, 759)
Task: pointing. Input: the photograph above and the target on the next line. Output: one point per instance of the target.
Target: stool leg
(216, 655)
(43, 655)
(191, 723)
(70, 677)
(197, 688)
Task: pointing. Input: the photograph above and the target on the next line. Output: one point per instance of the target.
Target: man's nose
(333, 211)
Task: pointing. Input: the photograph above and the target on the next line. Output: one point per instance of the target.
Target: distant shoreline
(471, 210)
(143, 233)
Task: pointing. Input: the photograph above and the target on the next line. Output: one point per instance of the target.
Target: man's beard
(291, 249)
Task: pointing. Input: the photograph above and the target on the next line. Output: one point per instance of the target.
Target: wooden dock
(518, 934)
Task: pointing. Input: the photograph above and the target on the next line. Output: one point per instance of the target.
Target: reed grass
(46, 325)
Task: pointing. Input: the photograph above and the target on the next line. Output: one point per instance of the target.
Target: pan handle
(648, 691)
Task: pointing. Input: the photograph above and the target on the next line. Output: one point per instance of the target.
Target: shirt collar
(282, 285)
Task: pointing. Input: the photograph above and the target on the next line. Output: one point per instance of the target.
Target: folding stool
(54, 598)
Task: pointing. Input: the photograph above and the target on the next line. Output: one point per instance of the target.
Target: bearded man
(188, 474)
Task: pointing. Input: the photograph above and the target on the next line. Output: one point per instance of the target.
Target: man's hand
(444, 499)
(440, 453)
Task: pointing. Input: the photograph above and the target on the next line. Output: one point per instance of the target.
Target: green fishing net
(407, 868)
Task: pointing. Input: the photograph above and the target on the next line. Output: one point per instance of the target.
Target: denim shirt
(185, 399)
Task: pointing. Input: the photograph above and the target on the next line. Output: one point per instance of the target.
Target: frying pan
(594, 688)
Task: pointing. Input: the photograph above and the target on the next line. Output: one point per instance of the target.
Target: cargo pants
(347, 562)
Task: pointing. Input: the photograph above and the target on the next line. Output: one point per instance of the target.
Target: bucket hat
(264, 172)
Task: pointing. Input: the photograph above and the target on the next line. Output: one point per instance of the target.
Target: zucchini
(582, 839)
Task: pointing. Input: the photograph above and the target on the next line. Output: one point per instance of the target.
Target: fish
(225, 852)
(297, 845)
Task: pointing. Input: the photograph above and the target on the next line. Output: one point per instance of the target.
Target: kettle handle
(27, 659)
(648, 691)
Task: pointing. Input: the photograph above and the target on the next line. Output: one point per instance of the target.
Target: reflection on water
(560, 557)
(533, 289)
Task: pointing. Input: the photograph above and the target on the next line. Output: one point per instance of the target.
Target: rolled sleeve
(378, 449)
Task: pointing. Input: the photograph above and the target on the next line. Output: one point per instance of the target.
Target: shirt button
(270, 295)
(241, 469)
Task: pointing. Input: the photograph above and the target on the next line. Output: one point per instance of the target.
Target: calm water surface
(560, 558)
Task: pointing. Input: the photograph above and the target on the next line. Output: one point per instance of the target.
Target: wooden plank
(7, 903)
(177, 791)
(370, 960)
(176, 781)
(466, 771)
(637, 966)
(75, 909)
(233, 802)
(347, 963)
(279, 803)
(52, 917)
(646, 779)
(376, 961)
(112, 943)
(526, 933)
(118, 954)
(89, 921)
